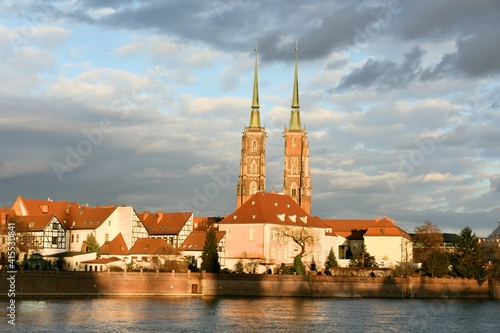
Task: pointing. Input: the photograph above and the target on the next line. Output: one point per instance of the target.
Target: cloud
(476, 56)
(385, 74)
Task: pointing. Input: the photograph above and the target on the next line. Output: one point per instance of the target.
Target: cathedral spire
(255, 115)
(295, 115)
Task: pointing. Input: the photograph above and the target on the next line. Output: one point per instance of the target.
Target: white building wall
(387, 248)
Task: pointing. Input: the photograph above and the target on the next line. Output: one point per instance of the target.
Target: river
(201, 314)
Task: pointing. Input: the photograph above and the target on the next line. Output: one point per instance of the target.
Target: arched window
(254, 146)
(294, 142)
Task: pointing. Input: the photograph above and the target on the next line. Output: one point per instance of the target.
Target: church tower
(297, 175)
(253, 150)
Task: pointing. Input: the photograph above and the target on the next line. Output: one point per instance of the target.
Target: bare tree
(167, 258)
(303, 237)
(427, 238)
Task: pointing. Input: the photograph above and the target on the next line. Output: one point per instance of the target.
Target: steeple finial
(295, 116)
(255, 116)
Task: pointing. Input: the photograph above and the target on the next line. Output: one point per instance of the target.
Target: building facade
(297, 173)
(252, 177)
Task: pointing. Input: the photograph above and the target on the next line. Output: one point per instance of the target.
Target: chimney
(377, 219)
(44, 208)
(145, 215)
(159, 216)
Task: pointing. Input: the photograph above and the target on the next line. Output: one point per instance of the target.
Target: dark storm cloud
(476, 56)
(385, 74)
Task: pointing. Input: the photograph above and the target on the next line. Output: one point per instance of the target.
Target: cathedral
(296, 173)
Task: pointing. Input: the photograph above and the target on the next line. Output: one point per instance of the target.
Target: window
(254, 147)
(228, 233)
(106, 238)
(72, 238)
(284, 254)
(382, 231)
(55, 226)
(294, 142)
(54, 240)
(252, 234)
(109, 223)
(294, 192)
(77, 238)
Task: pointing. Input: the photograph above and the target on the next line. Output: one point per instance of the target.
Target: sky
(143, 103)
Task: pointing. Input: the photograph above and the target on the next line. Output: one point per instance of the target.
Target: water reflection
(253, 315)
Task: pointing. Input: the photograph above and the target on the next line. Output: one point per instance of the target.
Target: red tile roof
(64, 210)
(196, 240)
(33, 223)
(91, 217)
(354, 229)
(71, 214)
(101, 261)
(150, 246)
(161, 223)
(272, 208)
(117, 246)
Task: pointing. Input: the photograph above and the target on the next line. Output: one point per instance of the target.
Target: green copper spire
(295, 115)
(255, 116)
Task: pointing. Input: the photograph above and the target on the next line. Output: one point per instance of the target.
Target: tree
(210, 256)
(166, 258)
(239, 267)
(303, 237)
(427, 238)
(437, 264)
(93, 245)
(331, 260)
(364, 259)
(467, 259)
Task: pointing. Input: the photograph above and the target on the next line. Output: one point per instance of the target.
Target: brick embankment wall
(30, 283)
(328, 286)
